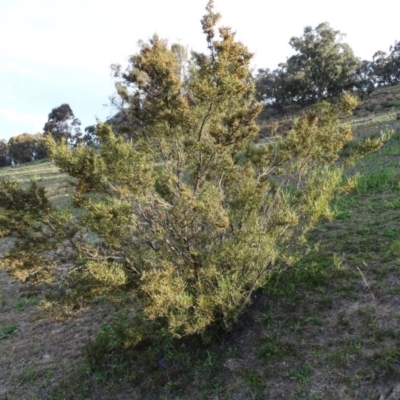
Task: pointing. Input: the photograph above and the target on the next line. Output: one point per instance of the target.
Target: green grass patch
(7, 330)
(301, 374)
(379, 181)
(274, 348)
(23, 303)
(394, 103)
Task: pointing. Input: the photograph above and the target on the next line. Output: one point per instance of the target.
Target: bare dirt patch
(39, 351)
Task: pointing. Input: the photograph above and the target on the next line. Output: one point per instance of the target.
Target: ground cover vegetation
(183, 221)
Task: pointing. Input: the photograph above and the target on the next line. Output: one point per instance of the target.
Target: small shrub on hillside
(192, 215)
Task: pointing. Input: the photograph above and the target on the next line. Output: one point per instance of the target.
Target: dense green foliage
(387, 66)
(26, 147)
(22, 149)
(325, 63)
(322, 68)
(184, 215)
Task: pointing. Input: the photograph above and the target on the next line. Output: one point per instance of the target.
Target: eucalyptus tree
(62, 124)
(327, 62)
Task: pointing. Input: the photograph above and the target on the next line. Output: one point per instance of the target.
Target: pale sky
(54, 52)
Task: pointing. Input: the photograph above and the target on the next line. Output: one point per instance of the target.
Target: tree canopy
(62, 124)
(322, 67)
(327, 62)
(26, 147)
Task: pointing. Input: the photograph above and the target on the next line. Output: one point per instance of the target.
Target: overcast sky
(54, 52)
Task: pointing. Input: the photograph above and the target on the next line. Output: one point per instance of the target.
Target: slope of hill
(327, 327)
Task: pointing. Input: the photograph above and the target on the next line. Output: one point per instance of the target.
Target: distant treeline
(61, 125)
(322, 68)
(21, 149)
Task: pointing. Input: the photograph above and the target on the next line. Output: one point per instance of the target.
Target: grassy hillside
(327, 327)
(43, 172)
